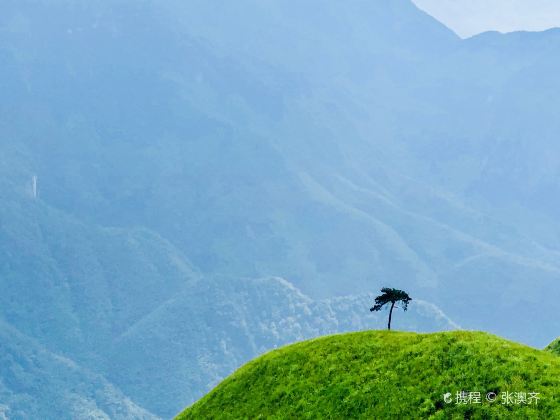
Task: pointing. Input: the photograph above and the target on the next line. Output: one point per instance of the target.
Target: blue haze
(219, 178)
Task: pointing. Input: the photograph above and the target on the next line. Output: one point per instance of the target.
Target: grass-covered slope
(382, 374)
(554, 347)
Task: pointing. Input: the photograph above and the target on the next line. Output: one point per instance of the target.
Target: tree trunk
(390, 315)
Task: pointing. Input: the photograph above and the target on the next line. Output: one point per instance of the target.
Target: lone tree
(393, 296)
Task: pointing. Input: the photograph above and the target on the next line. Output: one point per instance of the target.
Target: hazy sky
(469, 17)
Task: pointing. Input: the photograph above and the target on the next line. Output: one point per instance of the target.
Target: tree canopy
(390, 295)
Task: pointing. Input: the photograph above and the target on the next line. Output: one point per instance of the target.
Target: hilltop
(380, 374)
(554, 347)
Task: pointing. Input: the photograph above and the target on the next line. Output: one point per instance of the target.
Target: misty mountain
(108, 316)
(184, 150)
(121, 312)
(35, 383)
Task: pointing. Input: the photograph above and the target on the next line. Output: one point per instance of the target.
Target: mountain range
(214, 180)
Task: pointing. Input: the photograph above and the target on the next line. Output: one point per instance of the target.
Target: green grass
(381, 374)
(554, 347)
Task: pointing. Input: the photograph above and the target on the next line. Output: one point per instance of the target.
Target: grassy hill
(554, 347)
(380, 374)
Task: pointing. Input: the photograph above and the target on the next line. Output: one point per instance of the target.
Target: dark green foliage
(386, 375)
(554, 347)
(393, 296)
